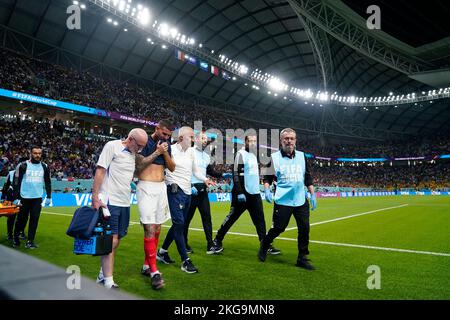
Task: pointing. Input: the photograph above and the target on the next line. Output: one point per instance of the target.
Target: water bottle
(108, 229)
(98, 230)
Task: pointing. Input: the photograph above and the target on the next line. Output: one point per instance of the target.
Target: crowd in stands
(20, 73)
(68, 152)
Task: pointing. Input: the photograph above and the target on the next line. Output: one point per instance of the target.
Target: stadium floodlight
(109, 20)
(192, 41)
(115, 23)
(200, 45)
(83, 6)
(126, 30)
(164, 46)
(115, 3)
(173, 32)
(75, 3)
(164, 29)
(143, 16)
(121, 6)
(276, 84)
(243, 69)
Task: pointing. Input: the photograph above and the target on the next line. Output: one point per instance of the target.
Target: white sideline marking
(442, 254)
(351, 216)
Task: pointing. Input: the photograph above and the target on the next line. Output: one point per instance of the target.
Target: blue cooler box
(96, 246)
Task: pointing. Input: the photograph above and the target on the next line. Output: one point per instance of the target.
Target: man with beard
(245, 194)
(291, 172)
(151, 194)
(30, 179)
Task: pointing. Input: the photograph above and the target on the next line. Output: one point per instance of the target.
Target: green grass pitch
(341, 250)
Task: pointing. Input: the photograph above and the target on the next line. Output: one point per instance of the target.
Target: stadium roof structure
(321, 45)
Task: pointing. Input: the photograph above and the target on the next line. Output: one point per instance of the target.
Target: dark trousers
(200, 201)
(281, 217)
(32, 208)
(179, 206)
(10, 224)
(254, 207)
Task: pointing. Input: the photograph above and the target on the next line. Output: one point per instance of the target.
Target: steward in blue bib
(289, 168)
(245, 194)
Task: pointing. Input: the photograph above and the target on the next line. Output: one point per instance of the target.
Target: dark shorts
(119, 220)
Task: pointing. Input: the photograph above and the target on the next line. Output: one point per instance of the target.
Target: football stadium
(236, 150)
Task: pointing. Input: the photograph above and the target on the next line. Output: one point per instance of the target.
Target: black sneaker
(146, 272)
(304, 263)
(9, 237)
(188, 266)
(211, 249)
(189, 250)
(31, 245)
(262, 253)
(16, 243)
(164, 258)
(22, 236)
(157, 281)
(218, 246)
(273, 251)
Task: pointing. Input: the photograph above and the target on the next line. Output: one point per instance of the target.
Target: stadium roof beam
(333, 17)
(321, 49)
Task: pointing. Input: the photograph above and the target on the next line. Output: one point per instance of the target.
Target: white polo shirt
(185, 167)
(119, 163)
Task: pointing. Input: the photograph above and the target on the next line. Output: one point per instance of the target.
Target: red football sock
(150, 253)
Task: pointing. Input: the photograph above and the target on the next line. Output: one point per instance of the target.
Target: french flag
(214, 70)
(180, 55)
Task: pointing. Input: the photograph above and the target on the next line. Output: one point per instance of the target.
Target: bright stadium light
(143, 16)
(243, 69)
(173, 32)
(121, 6)
(164, 29)
(276, 84)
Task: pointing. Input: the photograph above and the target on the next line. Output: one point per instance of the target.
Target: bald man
(179, 194)
(112, 191)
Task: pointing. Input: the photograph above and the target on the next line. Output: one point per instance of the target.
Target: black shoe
(212, 249)
(146, 272)
(188, 266)
(189, 250)
(31, 245)
(16, 243)
(218, 246)
(22, 236)
(273, 251)
(262, 253)
(157, 281)
(164, 258)
(304, 263)
(9, 237)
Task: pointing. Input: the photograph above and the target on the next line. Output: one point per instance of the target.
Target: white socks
(109, 282)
